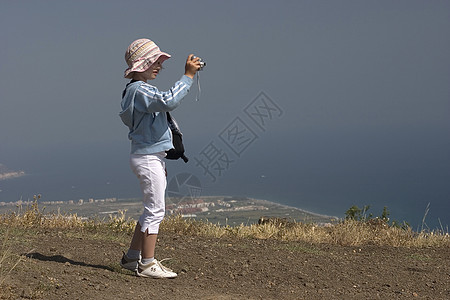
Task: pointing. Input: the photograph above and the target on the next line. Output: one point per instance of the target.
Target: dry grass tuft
(32, 217)
(347, 233)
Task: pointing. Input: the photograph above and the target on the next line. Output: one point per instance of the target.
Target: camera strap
(199, 90)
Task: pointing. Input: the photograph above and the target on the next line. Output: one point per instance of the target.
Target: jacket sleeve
(149, 99)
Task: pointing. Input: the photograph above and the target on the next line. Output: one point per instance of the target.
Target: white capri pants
(150, 170)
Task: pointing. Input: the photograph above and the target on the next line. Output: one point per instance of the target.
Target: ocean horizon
(53, 187)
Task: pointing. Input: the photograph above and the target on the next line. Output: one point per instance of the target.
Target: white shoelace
(163, 267)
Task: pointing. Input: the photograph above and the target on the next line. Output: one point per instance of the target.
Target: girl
(144, 110)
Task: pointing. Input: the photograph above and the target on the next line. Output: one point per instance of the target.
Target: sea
(58, 187)
(58, 177)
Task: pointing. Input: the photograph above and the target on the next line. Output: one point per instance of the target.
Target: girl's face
(154, 69)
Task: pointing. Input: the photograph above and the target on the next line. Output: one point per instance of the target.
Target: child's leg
(144, 242)
(136, 242)
(150, 169)
(148, 245)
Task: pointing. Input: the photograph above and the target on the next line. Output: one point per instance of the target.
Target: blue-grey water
(83, 173)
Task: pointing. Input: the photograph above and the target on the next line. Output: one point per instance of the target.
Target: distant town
(202, 205)
(217, 209)
(70, 202)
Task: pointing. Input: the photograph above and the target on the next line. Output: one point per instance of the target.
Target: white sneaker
(155, 270)
(129, 263)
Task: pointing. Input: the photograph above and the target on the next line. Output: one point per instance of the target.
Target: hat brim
(144, 63)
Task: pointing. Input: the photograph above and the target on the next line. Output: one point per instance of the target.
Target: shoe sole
(154, 277)
(129, 269)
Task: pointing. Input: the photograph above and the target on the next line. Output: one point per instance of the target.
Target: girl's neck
(139, 77)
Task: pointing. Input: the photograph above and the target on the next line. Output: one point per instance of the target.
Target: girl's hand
(192, 66)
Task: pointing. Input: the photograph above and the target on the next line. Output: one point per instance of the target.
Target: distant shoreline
(280, 205)
(82, 202)
(300, 209)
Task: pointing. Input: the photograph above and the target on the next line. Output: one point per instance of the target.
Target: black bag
(177, 140)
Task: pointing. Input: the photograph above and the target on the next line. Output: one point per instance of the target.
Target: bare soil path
(73, 265)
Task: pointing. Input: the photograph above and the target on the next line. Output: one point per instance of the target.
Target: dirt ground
(69, 265)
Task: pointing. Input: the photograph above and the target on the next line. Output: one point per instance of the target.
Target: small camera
(201, 61)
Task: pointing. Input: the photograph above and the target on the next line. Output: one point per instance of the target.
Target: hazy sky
(354, 96)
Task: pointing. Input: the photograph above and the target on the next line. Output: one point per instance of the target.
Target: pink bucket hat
(140, 55)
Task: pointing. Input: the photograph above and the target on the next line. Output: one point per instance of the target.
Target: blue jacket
(144, 110)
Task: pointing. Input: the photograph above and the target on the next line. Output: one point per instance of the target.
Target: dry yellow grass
(346, 233)
(32, 217)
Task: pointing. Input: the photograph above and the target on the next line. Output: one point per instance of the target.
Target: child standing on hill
(144, 110)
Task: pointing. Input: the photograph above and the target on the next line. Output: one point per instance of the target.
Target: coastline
(228, 210)
(299, 209)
